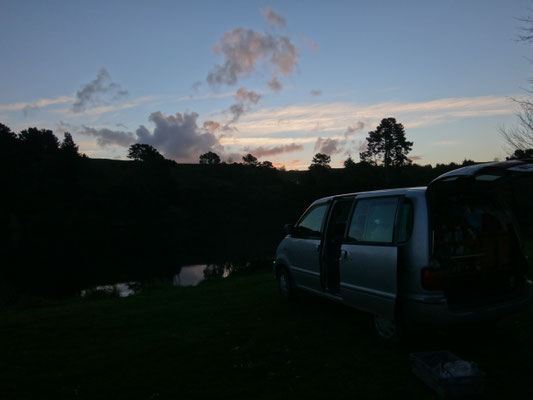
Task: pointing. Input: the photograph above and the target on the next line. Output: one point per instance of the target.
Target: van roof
(384, 192)
(472, 170)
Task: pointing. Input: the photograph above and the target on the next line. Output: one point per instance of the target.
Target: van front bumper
(434, 310)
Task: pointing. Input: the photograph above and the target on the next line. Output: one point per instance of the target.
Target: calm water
(192, 275)
(187, 275)
(123, 289)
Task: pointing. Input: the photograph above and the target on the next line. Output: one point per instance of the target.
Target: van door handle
(317, 248)
(344, 255)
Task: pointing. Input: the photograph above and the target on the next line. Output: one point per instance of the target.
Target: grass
(231, 338)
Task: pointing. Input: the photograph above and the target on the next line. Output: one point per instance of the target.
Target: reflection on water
(123, 289)
(188, 275)
(192, 275)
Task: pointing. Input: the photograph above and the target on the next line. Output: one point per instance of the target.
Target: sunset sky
(279, 79)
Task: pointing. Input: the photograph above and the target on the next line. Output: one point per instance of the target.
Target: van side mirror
(289, 229)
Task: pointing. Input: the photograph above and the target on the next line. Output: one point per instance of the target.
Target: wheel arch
(282, 265)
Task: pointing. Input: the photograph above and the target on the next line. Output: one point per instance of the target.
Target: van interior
(332, 246)
(476, 243)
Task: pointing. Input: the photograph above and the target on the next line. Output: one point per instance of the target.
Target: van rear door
(480, 216)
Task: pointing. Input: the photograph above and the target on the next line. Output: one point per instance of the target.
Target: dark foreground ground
(231, 338)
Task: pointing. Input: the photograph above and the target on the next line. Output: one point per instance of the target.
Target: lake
(187, 275)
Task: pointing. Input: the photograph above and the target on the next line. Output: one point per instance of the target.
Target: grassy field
(231, 338)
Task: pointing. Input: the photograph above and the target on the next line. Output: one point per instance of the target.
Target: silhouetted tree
(321, 161)
(349, 162)
(466, 162)
(6, 135)
(209, 158)
(249, 159)
(68, 147)
(38, 141)
(267, 164)
(144, 152)
(387, 144)
(521, 136)
(520, 154)
(8, 140)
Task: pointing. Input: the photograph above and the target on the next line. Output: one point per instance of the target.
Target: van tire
(286, 288)
(387, 331)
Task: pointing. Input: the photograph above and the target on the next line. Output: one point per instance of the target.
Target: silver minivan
(440, 255)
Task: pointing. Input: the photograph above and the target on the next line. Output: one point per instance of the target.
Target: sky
(281, 80)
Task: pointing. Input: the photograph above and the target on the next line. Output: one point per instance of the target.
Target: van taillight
(432, 279)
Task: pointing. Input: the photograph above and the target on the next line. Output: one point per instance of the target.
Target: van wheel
(387, 331)
(286, 288)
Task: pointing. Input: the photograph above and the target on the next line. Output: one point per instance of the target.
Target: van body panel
(435, 311)
(303, 254)
(301, 251)
(415, 253)
(368, 278)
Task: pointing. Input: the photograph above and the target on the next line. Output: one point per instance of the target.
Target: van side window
(311, 223)
(405, 221)
(373, 220)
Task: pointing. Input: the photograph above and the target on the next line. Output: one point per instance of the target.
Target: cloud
(196, 86)
(354, 147)
(275, 84)
(211, 126)
(318, 127)
(339, 144)
(244, 95)
(335, 117)
(328, 146)
(244, 48)
(41, 103)
(62, 127)
(178, 136)
(316, 92)
(273, 18)
(272, 151)
(106, 137)
(312, 45)
(245, 99)
(109, 108)
(289, 164)
(352, 129)
(264, 141)
(100, 90)
(29, 109)
(237, 110)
